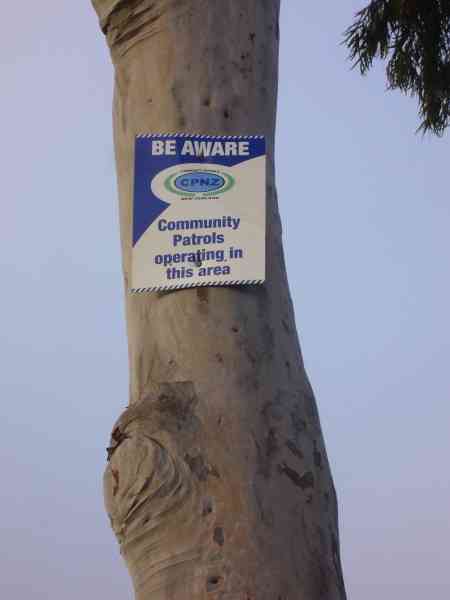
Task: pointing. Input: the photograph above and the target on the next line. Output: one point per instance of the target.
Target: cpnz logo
(205, 183)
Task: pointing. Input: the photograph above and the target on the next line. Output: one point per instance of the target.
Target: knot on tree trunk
(151, 500)
(152, 495)
(143, 484)
(126, 22)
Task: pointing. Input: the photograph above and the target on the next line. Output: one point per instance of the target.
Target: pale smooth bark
(218, 483)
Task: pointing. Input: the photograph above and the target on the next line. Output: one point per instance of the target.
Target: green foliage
(414, 37)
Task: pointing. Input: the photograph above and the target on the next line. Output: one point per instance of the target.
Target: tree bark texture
(217, 484)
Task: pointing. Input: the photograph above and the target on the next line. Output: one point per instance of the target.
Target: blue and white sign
(199, 213)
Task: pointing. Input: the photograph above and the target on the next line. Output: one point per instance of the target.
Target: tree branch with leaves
(414, 37)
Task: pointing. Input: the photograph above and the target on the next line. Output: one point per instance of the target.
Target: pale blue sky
(366, 215)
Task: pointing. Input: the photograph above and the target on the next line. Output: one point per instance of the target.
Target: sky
(366, 217)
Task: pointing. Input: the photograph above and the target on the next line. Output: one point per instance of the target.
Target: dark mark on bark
(207, 507)
(298, 422)
(268, 341)
(115, 475)
(117, 437)
(202, 294)
(201, 469)
(251, 357)
(304, 481)
(212, 582)
(311, 407)
(286, 326)
(265, 454)
(219, 536)
(178, 97)
(272, 410)
(317, 456)
(271, 442)
(295, 450)
(175, 405)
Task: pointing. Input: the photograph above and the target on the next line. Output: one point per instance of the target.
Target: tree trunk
(218, 483)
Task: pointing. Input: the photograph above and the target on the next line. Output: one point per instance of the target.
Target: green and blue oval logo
(199, 182)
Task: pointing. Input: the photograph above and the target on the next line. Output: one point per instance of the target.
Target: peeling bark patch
(219, 536)
(202, 294)
(304, 481)
(200, 467)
